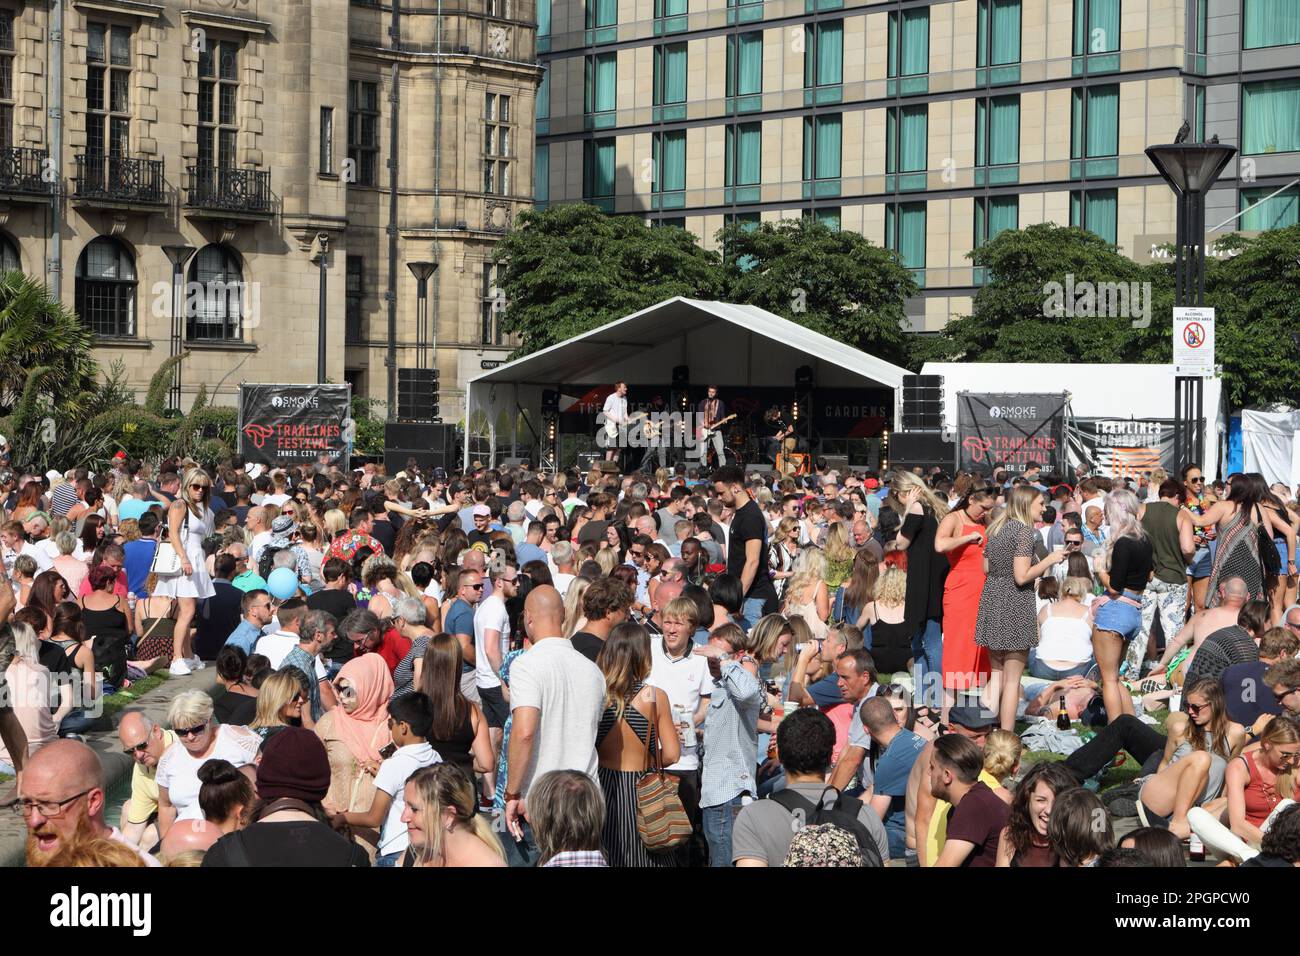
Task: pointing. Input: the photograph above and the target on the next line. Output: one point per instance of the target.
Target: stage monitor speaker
(927, 449)
(417, 394)
(431, 444)
(803, 378)
(681, 376)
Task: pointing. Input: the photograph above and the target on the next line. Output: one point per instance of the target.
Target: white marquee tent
(730, 345)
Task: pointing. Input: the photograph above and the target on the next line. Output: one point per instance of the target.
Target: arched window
(106, 288)
(9, 256)
(214, 296)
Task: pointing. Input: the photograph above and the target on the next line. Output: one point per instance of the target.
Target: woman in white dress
(189, 521)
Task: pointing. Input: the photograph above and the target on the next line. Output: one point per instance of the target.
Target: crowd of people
(677, 668)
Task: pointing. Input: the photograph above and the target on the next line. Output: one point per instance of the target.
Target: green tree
(1256, 296)
(1035, 306)
(571, 268)
(836, 283)
(37, 331)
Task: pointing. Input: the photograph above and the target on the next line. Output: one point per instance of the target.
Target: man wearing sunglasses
(144, 742)
(1283, 679)
(62, 799)
(460, 624)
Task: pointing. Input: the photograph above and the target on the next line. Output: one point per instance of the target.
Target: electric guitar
(611, 427)
(704, 433)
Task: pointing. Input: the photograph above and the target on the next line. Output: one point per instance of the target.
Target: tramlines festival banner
(1006, 430)
(292, 424)
(1123, 447)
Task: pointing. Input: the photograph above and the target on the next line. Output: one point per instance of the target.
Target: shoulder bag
(661, 821)
(166, 558)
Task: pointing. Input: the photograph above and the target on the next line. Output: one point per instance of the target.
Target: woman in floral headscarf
(355, 731)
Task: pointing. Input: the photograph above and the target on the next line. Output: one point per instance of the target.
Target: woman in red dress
(961, 537)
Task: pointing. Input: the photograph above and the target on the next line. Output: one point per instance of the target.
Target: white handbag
(166, 559)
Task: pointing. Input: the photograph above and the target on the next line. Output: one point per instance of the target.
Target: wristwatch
(512, 795)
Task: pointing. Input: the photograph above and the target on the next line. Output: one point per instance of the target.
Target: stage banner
(1123, 447)
(292, 424)
(998, 429)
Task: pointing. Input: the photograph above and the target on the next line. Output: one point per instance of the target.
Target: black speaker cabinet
(431, 444)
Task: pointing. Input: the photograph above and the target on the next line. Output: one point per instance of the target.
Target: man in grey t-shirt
(764, 829)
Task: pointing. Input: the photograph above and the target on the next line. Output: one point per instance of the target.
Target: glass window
(669, 161)
(544, 94)
(744, 64)
(1094, 126)
(1096, 26)
(909, 42)
(1269, 117)
(543, 18)
(997, 131)
(218, 96)
(823, 54)
(327, 139)
(670, 74)
(352, 291)
(214, 296)
(905, 232)
(1278, 212)
(1095, 210)
(602, 13)
(497, 156)
(108, 95)
(821, 147)
(7, 52)
(105, 288)
(1270, 23)
(906, 139)
(744, 154)
(598, 168)
(363, 131)
(994, 214)
(542, 173)
(998, 42)
(602, 82)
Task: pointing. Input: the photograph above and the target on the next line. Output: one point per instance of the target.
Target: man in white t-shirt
(277, 645)
(556, 699)
(615, 415)
(15, 543)
(410, 720)
(279, 495)
(260, 529)
(561, 561)
(491, 644)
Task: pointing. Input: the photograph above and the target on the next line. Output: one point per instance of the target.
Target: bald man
(1233, 595)
(667, 591)
(471, 560)
(62, 795)
(146, 742)
(556, 699)
(187, 835)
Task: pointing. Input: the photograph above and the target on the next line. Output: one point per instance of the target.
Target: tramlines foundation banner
(291, 424)
(1002, 429)
(1123, 447)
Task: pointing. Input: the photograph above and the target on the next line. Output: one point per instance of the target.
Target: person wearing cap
(284, 532)
(971, 722)
(480, 538)
(289, 827)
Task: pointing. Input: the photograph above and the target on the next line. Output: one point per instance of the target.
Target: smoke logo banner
(292, 424)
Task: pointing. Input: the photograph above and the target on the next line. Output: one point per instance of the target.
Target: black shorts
(495, 708)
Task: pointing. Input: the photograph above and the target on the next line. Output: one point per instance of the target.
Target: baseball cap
(120, 454)
(972, 718)
(482, 511)
(871, 484)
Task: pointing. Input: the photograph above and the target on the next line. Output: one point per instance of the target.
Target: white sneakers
(179, 668)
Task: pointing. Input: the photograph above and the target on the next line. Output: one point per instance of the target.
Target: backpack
(842, 815)
(824, 844)
(264, 561)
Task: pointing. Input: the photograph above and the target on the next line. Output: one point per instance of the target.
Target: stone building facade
(256, 132)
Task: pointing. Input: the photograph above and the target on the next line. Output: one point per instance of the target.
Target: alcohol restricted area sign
(1194, 341)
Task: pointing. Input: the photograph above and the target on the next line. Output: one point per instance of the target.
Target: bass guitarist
(712, 411)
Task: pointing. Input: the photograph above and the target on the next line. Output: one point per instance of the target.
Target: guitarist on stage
(712, 411)
(615, 412)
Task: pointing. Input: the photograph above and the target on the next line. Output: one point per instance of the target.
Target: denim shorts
(1202, 563)
(1118, 616)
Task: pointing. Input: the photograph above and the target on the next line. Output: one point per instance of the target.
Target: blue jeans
(752, 610)
(718, 822)
(77, 723)
(1038, 668)
(388, 859)
(523, 852)
(927, 652)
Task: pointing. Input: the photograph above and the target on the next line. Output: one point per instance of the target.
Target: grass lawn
(1126, 773)
(115, 703)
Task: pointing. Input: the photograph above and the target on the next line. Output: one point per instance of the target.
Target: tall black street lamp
(179, 255)
(1190, 169)
(320, 252)
(422, 271)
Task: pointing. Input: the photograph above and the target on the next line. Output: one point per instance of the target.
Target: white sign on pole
(1194, 342)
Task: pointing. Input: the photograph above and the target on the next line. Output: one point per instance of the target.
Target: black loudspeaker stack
(417, 394)
(431, 444)
(922, 403)
(927, 449)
